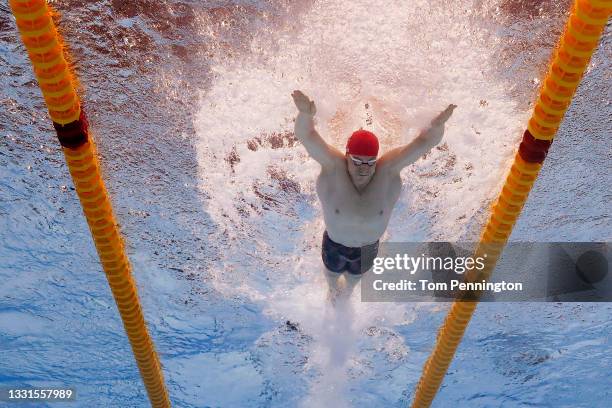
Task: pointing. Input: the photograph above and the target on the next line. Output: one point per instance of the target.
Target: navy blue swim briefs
(339, 258)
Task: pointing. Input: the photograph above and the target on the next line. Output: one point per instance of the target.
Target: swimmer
(357, 190)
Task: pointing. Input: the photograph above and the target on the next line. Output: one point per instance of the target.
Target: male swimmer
(357, 191)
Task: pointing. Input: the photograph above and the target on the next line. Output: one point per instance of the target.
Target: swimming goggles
(358, 162)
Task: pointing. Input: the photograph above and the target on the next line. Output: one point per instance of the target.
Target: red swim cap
(362, 143)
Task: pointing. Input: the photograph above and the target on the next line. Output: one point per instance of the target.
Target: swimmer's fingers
(449, 110)
(444, 115)
(303, 103)
(301, 100)
(299, 95)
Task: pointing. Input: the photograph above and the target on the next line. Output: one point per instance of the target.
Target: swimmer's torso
(355, 219)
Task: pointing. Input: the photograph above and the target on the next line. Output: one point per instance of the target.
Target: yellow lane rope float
(571, 58)
(57, 83)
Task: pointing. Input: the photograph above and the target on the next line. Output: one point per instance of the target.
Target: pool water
(189, 103)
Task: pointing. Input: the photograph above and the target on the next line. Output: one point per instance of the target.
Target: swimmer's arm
(427, 139)
(305, 132)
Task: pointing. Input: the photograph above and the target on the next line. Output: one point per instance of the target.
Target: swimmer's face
(359, 169)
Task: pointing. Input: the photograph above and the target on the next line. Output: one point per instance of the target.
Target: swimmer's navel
(381, 212)
(337, 211)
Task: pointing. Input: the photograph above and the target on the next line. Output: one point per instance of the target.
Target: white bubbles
(388, 69)
(384, 66)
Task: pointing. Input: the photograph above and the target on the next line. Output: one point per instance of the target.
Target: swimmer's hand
(443, 116)
(303, 104)
(436, 130)
(400, 157)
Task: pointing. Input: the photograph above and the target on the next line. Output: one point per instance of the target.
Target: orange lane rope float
(57, 83)
(571, 58)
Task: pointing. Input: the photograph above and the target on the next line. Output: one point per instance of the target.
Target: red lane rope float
(571, 58)
(57, 83)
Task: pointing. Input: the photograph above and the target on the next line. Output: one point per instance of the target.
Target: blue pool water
(189, 104)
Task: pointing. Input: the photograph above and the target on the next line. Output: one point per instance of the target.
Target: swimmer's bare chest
(355, 218)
